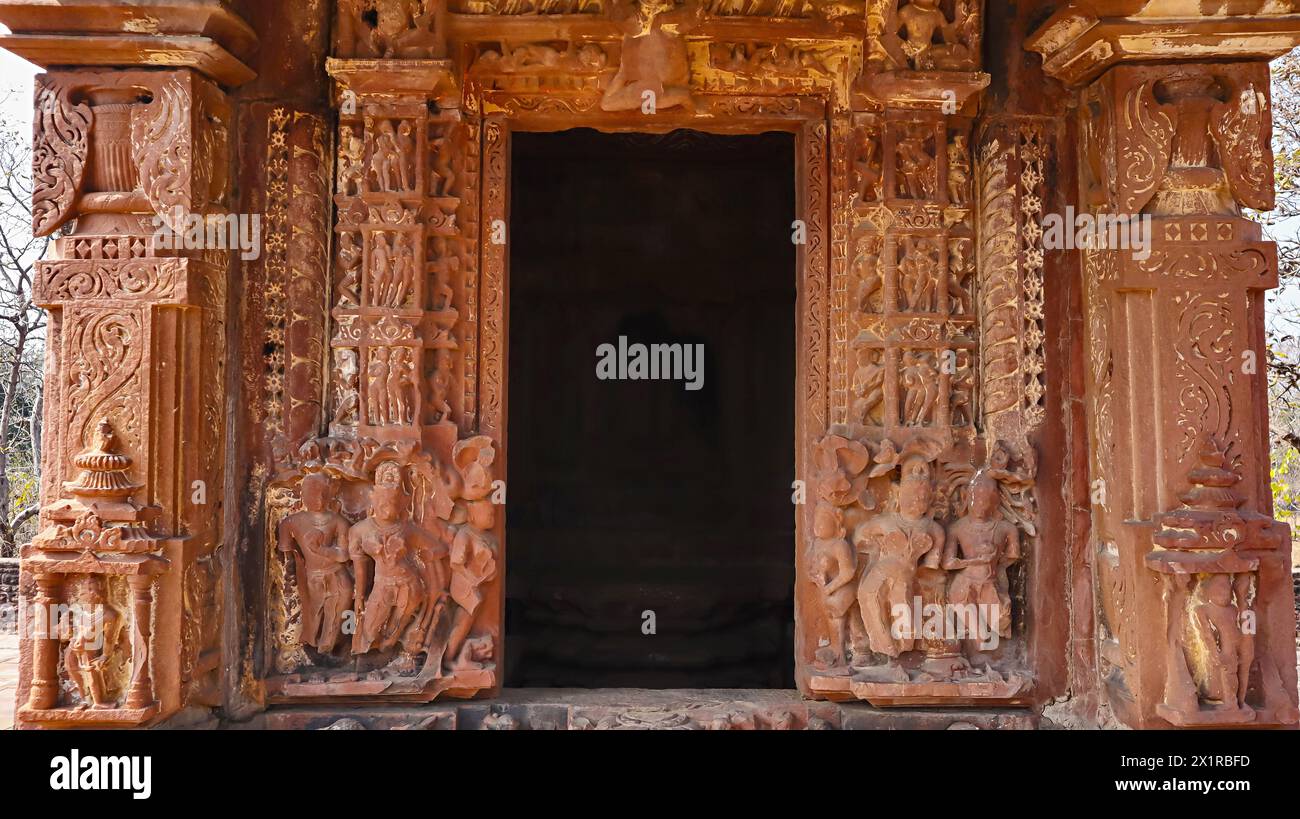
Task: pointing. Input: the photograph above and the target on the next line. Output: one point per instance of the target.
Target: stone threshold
(637, 709)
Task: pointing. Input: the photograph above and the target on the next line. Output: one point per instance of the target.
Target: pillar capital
(1082, 40)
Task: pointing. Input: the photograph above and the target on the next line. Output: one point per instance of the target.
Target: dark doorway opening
(629, 497)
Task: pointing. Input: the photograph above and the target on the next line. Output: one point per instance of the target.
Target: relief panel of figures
(385, 530)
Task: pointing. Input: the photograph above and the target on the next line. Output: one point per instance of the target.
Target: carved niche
(98, 594)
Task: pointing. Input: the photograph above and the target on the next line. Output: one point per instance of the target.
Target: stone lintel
(205, 35)
(89, 717)
(1080, 41)
(940, 91)
(78, 563)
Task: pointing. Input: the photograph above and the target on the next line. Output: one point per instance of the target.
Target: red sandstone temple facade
(279, 478)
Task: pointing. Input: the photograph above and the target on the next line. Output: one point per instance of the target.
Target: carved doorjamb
(426, 464)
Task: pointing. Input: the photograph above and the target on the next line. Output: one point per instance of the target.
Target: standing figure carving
(834, 568)
(895, 543)
(317, 538)
(400, 576)
(380, 269)
(386, 164)
(400, 403)
(92, 631)
(981, 545)
(378, 404)
(1229, 651)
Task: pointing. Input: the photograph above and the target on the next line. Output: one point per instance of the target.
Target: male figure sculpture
(833, 570)
(317, 539)
(1230, 653)
(981, 544)
(896, 542)
(400, 577)
(95, 629)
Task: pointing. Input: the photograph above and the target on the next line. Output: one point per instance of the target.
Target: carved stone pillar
(44, 691)
(140, 693)
(131, 171)
(1196, 625)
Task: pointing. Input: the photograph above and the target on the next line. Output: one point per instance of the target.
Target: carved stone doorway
(651, 504)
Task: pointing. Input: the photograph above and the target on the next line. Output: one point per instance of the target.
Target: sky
(16, 92)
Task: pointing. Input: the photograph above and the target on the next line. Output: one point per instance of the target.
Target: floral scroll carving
(160, 147)
(1011, 175)
(60, 150)
(1198, 142)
